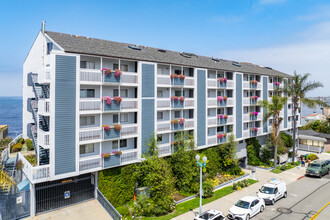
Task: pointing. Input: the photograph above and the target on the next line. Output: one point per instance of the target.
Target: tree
(298, 90)
(273, 109)
(6, 181)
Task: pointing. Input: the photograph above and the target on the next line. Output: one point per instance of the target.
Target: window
(177, 93)
(240, 142)
(245, 126)
(124, 93)
(123, 67)
(191, 113)
(220, 129)
(123, 143)
(270, 79)
(246, 110)
(87, 120)
(160, 115)
(115, 92)
(87, 64)
(177, 72)
(86, 148)
(208, 112)
(87, 93)
(177, 114)
(115, 118)
(191, 93)
(49, 47)
(221, 111)
(159, 138)
(123, 117)
(114, 145)
(246, 77)
(160, 93)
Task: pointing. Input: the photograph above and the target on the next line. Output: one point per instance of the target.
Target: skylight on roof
(134, 47)
(267, 67)
(161, 50)
(185, 55)
(236, 64)
(215, 59)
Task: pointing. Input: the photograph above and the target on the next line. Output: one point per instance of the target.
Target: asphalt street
(306, 197)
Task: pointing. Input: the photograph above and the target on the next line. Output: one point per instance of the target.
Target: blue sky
(287, 35)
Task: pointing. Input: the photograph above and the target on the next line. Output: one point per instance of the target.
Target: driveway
(86, 210)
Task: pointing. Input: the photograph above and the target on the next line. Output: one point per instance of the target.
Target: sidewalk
(224, 203)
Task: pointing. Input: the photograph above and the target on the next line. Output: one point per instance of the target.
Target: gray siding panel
(65, 114)
(239, 105)
(265, 97)
(201, 107)
(148, 80)
(148, 122)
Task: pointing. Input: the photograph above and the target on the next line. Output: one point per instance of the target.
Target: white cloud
(308, 55)
(316, 13)
(264, 2)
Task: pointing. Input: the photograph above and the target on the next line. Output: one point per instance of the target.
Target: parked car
(318, 168)
(272, 191)
(211, 215)
(246, 207)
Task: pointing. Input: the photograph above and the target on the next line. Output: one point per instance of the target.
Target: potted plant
(182, 77)
(105, 155)
(107, 71)
(117, 73)
(117, 127)
(220, 135)
(181, 98)
(225, 134)
(222, 80)
(225, 116)
(107, 100)
(175, 98)
(117, 153)
(174, 121)
(220, 116)
(118, 99)
(181, 120)
(252, 98)
(106, 127)
(220, 98)
(225, 98)
(277, 83)
(173, 76)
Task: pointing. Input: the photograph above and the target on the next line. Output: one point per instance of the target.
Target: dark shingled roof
(92, 46)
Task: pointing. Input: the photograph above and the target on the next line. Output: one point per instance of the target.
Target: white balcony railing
(270, 86)
(129, 78)
(230, 84)
(164, 103)
(230, 119)
(44, 106)
(212, 83)
(164, 149)
(189, 123)
(189, 102)
(90, 163)
(246, 117)
(246, 85)
(34, 174)
(129, 156)
(212, 102)
(246, 133)
(128, 130)
(246, 101)
(212, 121)
(129, 104)
(189, 81)
(90, 104)
(163, 126)
(44, 75)
(230, 101)
(43, 138)
(163, 80)
(89, 134)
(90, 76)
(211, 140)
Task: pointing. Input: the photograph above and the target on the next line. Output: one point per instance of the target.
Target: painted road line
(317, 214)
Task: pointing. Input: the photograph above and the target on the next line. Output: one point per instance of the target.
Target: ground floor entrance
(60, 193)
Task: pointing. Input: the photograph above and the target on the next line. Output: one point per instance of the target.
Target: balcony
(114, 106)
(211, 121)
(111, 134)
(164, 149)
(44, 75)
(163, 103)
(189, 81)
(189, 102)
(90, 105)
(177, 127)
(88, 164)
(129, 104)
(178, 82)
(163, 126)
(127, 156)
(246, 133)
(129, 130)
(221, 140)
(44, 107)
(212, 140)
(129, 78)
(178, 104)
(270, 86)
(163, 80)
(189, 124)
(90, 76)
(43, 139)
(255, 133)
(90, 134)
(212, 83)
(212, 102)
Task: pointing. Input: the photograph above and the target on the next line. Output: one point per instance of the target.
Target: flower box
(114, 106)
(112, 78)
(177, 104)
(222, 101)
(111, 134)
(177, 126)
(222, 82)
(113, 160)
(178, 81)
(222, 120)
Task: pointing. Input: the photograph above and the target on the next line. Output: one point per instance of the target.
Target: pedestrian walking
(299, 161)
(309, 161)
(303, 162)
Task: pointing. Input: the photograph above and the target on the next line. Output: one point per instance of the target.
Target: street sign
(19, 200)
(66, 194)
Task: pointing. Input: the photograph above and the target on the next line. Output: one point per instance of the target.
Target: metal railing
(44, 106)
(87, 75)
(90, 163)
(164, 149)
(189, 102)
(43, 138)
(164, 103)
(128, 156)
(34, 174)
(108, 206)
(90, 105)
(163, 126)
(129, 78)
(128, 130)
(163, 80)
(129, 103)
(90, 134)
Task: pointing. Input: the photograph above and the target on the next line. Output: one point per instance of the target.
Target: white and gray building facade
(65, 113)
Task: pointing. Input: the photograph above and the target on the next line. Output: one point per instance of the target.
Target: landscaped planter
(112, 107)
(177, 104)
(111, 134)
(178, 81)
(113, 160)
(111, 78)
(177, 126)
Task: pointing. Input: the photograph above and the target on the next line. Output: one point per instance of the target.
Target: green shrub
(32, 159)
(19, 165)
(312, 157)
(16, 148)
(145, 206)
(207, 189)
(29, 144)
(124, 211)
(21, 140)
(235, 185)
(253, 151)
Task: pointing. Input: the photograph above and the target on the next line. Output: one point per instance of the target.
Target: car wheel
(273, 201)
(262, 208)
(285, 195)
(247, 217)
(320, 175)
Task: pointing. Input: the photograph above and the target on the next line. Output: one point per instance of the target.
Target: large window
(87, 64)
(124, 93)
(160, 116)
(115, 92)
(87, 120)
(123, 67)
(86, 148)
(87, 93)
(123, 117)
(160, 93)
(114, 145)
(115, 118)
(123, 143)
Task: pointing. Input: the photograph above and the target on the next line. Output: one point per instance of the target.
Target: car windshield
(315, 165)
(242, 204)
(267, 190)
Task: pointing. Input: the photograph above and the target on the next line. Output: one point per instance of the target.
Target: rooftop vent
(185, 55)
(236, 64)
(267, 67)
(215, 59)
(134, 47)
(189, 54)
(161, 50)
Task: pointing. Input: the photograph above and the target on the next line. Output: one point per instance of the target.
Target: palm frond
(311, 103)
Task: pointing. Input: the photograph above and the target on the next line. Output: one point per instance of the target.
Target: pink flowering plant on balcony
(118, 99)
(222, 79)
(117, 153)
(107, 100)
(181, 98)
(225, 98)
(174, 98)
(181, 121)
(254, 82)
(107, 71)
(220, 98)
(106, 127)
(220, 135)
(117, 73)
(173, 76)
(174, 121)
(117, 127)
(182, 77)
(225, 116)
(254, 98)
(220, 116)
(277, 83)
(105, 155)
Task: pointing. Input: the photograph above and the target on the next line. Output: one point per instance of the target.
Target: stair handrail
(34, 88)
(6, 152)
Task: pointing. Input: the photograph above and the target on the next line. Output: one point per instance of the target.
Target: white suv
(272, 191)
(246, 208)
(210, 215)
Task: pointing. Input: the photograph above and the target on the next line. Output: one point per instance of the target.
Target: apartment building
(85, 99)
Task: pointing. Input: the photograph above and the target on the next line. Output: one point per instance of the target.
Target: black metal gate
(61, 193)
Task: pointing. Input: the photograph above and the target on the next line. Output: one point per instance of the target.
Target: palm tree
(298, 90)
(6, 181)
(273, 109)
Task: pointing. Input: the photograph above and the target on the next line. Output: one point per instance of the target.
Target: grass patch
(328, 152)
(194, 203)
(284, 167)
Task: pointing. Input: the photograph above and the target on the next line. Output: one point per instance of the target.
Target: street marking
(317, 214)
(292, 194)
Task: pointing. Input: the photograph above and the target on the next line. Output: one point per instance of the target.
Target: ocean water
(11, 114)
